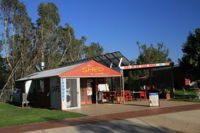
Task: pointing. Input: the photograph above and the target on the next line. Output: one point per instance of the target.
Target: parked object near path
(198, 93)
(154, 99)
(20, 98)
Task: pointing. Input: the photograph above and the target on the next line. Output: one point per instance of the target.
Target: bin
(154, 99)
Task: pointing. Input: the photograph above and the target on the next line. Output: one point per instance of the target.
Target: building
(70, 86)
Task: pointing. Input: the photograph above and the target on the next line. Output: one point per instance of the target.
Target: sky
(118, 24)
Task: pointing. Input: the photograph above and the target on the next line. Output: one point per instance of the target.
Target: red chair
(127, 95)
(143, 95)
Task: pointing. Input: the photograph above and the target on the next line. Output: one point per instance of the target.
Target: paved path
(102, 109)
(101, 118)
(179, 122)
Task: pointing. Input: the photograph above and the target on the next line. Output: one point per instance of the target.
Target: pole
(122, 85)
(172, 80)
(96, 90)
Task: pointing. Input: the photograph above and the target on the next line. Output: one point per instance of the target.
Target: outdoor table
(136, 94)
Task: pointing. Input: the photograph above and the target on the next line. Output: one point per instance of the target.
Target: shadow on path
(124, 126)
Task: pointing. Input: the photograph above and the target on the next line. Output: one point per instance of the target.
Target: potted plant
(167, 94)
(118, 95)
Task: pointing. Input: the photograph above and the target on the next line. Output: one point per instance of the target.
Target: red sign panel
(146, 66)
(91, 69)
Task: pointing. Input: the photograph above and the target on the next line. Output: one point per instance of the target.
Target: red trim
(146, 66)
(91, 69)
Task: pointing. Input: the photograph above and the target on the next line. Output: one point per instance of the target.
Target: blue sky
(118, 24)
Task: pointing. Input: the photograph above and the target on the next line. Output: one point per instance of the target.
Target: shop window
(40, 85)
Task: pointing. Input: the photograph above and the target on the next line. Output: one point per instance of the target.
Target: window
(40, 85)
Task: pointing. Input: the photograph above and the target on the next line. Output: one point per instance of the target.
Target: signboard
(103, 87)
(154, 99)
(63, 88)
(91, 69)
(146, 66)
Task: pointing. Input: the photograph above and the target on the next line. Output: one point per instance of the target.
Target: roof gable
(91, 69)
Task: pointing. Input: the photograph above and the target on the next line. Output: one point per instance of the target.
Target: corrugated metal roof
(49, 73)
(106, 59)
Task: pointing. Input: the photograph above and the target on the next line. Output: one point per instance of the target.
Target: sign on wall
(63, 89)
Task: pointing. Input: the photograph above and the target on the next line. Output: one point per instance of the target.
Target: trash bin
(154, 99)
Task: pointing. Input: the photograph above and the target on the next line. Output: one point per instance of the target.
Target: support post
(122, 85)
(96, 90)
(172, 80)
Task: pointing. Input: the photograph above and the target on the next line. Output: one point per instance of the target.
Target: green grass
(189, 95)
(12, 115)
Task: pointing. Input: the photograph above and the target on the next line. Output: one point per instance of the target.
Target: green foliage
(95, 49)
(49, 16)
(12, 115)
(191, 55)
(148, 55)
(189, 95)
(153, 54)
(45, 40)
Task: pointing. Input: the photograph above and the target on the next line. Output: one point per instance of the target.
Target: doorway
(70, 93)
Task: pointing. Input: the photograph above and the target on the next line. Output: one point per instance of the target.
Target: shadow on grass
(124, 126)
(185, 96)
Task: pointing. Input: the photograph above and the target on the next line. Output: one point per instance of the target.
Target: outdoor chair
(127, 95)
(143, 95)
(24, 99)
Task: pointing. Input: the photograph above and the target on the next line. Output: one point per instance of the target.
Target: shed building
(67, 87)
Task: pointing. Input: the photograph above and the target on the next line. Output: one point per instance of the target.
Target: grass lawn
(189, 95)
(12, 115)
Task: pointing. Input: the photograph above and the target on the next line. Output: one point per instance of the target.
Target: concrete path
(121, 122)
(179, 122)
(102, 109)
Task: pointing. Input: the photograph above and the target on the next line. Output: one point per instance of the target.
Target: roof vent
(42, 65)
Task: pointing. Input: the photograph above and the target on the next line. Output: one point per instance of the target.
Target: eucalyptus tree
(16, 25)
(21, 44)
(47, 24)
(8, 9)
(94, 49)
(70, 48)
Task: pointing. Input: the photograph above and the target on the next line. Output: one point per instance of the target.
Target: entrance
(70, 93)
(89, 87)
(42, 93)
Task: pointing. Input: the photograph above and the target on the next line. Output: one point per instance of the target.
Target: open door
(70, 93)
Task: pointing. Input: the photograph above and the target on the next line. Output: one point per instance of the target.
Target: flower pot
(168, 96)
(119, 99)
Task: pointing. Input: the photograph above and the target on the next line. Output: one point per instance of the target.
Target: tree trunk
(10, 77)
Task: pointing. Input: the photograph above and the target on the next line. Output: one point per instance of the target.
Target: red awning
(146, 66)
(91, 69)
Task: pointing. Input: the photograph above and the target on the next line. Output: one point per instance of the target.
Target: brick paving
(99, 118)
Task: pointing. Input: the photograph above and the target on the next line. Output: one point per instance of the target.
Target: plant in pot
(119, 95)
(167, 94)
